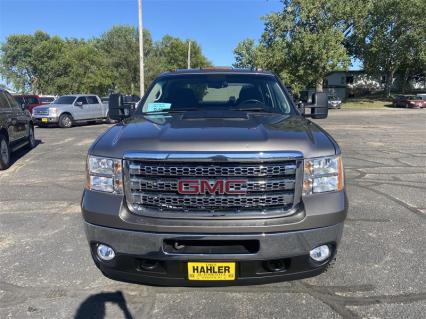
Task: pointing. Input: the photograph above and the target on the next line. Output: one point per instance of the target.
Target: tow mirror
(117, 109)
(319, 106)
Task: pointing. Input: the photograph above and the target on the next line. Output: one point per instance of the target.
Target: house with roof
(346, 84)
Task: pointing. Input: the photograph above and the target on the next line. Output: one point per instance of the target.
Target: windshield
(19, 99)
(46, 99)
(67, 99)
(217, 92)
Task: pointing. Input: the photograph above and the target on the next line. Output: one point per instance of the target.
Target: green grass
(369, 102)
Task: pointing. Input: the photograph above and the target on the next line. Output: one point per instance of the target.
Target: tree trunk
(388, 83)
(319, 87)
(405, 80)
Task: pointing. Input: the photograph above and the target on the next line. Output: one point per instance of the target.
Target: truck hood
(208, 132)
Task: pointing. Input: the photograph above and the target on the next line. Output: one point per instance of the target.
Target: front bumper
(38, 119)
(133, 248)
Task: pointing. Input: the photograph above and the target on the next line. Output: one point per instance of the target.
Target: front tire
(4, 153)
(65, 121)
(31, 138)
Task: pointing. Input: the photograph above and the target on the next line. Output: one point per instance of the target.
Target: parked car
(422, 96)
(16, 128)
(408, 101)
(334, 102)
(29, 101)
(70, 109)
(47, 99)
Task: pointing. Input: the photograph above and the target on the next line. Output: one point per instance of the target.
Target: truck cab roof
(216, 70)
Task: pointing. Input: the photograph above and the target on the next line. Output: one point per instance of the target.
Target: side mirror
(319, 106)
(117, 109)
(78, 103)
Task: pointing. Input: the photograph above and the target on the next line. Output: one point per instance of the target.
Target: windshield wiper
(252, 109)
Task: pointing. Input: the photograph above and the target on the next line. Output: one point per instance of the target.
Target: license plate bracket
(211, 270)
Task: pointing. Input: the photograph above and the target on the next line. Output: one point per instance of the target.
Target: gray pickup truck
(69, 109)
(216, 179)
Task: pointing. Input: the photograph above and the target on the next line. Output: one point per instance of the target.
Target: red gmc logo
(203, 186)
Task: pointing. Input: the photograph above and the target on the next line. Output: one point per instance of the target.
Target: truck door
(21, 115)
(82, 111)
(95, 107)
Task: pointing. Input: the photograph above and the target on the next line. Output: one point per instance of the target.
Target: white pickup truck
(70, 109)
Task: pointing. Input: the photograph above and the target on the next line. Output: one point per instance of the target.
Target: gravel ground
(46, 270)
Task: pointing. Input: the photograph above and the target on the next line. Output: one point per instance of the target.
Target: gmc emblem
(203, 186)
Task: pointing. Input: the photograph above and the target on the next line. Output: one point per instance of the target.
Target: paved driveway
(46, 270)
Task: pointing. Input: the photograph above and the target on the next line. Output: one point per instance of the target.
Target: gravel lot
(46, 270)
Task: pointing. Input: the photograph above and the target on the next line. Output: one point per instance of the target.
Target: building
(357, 83)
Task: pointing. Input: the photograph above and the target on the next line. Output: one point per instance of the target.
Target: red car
(408, 101)
(29, 101)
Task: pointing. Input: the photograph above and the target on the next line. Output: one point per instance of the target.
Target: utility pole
(189, 54)
(141, 64)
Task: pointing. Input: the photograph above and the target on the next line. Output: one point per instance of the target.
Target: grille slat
(171, 185)
(209, 202)
(213, 170)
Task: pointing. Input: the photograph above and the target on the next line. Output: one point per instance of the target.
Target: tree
(51, 65)
(303, 42)
(173, 53)
(87, 70)
(18, 61)
(245, 54)
(390, 39)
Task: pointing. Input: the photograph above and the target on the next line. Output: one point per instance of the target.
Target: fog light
(105, 252)
(320, 253)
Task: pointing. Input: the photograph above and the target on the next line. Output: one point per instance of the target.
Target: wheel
(4, 153)
(109, 120)
(65, 121)
(31, 138)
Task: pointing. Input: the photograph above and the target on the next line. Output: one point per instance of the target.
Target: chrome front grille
(151, 186)
(42, 112)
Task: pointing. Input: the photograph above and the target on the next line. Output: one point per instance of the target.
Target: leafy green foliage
(302, 43)
(52, 65)
(390, 38)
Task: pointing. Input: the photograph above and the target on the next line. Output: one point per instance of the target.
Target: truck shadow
(95, 305)
(22, 152)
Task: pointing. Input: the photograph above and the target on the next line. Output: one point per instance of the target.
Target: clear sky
(218, 25)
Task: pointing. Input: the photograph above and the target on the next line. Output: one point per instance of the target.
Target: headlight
(53, 111)
(323, 174)
(104, 174)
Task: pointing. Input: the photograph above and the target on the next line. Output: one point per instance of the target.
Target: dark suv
(16, 128)
(216, 178)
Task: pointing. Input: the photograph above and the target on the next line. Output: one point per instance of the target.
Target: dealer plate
(211, 270)
(44, 119)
